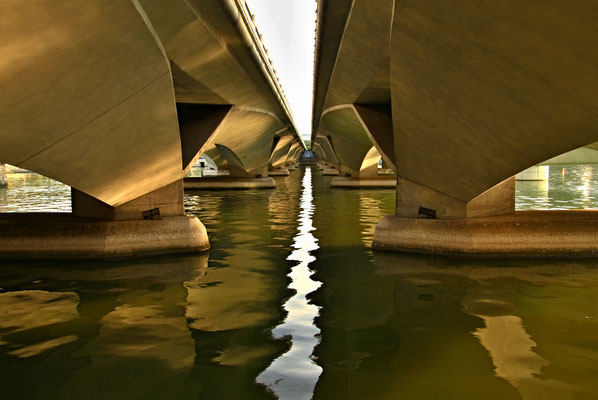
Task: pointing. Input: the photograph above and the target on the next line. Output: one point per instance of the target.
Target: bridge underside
(119, 100)
(458, 97)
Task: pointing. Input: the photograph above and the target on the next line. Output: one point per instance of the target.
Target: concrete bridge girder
(429, 89)
(117, 100)
(350, 139)
(352, 54)
(77, 119)
(326, 151)
(507, 94)
(212, 63)
(477, 92)
(281, 149)
(295, 151)
(356, 112)
(247, 133)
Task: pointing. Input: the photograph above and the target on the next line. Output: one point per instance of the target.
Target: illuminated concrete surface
(458, 98)
(119, 100)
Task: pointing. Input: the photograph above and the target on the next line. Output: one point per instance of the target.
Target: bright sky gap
(288, 29)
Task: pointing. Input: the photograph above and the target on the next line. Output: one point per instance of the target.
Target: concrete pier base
(524, 234)
(64, 236)
(291, 167)
(330, 172)
(381, 182)
(224, 183)
(279, 172)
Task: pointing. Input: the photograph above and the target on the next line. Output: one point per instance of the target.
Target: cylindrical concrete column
(535, 173)
(2, 174)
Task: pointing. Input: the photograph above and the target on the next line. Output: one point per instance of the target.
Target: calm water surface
(238, 323)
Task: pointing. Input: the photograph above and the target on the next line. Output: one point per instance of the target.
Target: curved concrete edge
(64, 237)
(372, 183)
(226, 183)
(525, 234)
(330, 172)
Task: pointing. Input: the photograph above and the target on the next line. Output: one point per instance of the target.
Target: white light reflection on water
(294, 374)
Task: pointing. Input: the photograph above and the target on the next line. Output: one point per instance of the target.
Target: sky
(288, 30)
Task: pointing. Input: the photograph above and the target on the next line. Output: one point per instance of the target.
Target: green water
(387, 326)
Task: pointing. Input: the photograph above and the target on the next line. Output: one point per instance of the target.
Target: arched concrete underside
(523, 87)
(215, 59)
(295, 151)
(249, 135)
(476, 92)
(118, 100)
(356, 114)
(321, 146)
(91, 101)
(281, 149)
(349, 139)
(88, 101)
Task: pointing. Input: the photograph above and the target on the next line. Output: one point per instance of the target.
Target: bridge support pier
(149, 225)
(366, 178)
(279, 172)
(238, 179)
(485, 227)
(332, 171)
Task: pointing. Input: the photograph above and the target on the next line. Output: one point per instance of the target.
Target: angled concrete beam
(198, 125)
(348, 138)
(100, 115)
(377, 121)
(518, 94)
(280, 148)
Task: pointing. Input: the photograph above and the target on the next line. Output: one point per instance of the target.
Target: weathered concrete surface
(524, 234)
(375, 182)
(330, 172)
(64, 236)
(164, 80)
(2, 174)
(168, 199)
(499, 199)
(279, 172)
(223, 183)
(518, 93)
